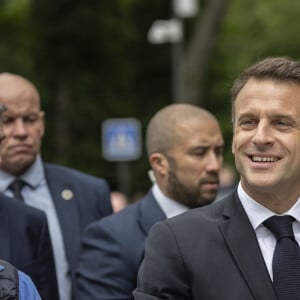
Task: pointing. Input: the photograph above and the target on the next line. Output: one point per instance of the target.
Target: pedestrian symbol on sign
(121, 139)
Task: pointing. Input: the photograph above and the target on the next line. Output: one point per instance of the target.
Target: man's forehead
(12, 86)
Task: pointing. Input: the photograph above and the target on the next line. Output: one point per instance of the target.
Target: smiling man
(266, 141)
(246, 245)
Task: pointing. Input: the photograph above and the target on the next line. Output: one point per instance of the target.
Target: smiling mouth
(256, 158)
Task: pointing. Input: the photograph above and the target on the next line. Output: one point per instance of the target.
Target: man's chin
(18, 165)
(202, 202)
(208, 199)
(210, 194)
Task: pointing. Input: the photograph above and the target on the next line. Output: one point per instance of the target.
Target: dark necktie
(286, 258)
(16, 187)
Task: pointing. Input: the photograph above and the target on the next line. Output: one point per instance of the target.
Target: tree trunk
(200, 48)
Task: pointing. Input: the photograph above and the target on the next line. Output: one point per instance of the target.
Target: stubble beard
(189, 196)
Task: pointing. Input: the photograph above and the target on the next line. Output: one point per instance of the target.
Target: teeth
(264, 159)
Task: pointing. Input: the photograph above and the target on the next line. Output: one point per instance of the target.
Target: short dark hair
(161, 132)
(280, 68)
(277, 68)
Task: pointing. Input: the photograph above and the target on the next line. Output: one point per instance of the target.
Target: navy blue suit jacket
(113, 249)
(209, 253)
(90, 201)
(25, 243)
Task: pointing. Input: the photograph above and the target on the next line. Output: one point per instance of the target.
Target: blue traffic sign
(121, 139)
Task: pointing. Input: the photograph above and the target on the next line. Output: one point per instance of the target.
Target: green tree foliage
(16, 37)
(94, 63)
(91, 61)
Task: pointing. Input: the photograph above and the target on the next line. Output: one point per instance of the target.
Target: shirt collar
(33, 176)
(170, 207)
(257, 213)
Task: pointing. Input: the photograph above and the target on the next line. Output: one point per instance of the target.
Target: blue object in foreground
(27, 289)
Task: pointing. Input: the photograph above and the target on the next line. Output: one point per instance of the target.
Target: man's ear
(233, 147)
(159, 163)
(42, 120)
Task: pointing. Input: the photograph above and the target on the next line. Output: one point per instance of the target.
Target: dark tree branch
(200, 48)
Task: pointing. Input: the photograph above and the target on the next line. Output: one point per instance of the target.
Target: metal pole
(123, 173)
(177, 72)
(177, 66)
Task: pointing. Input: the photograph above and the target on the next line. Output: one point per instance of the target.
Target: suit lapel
(149, 213)
(5, 249)
(65, 195)
(241, 241)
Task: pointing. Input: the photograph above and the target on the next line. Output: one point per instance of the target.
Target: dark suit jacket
(113, 249)
(25, 243)
(90, 201)
(208, 253)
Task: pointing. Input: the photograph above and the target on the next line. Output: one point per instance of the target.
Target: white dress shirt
(36, 193)
(257, 214)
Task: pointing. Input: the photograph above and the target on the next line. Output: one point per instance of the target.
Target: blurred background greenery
(91, 61)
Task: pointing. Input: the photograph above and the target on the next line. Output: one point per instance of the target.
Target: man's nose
(19, 128)
(263, 134)
(214, 161)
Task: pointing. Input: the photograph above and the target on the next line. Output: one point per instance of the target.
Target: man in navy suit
(185, 147)
(70, 199)
(235, 248)
(25, 243)
(25, 240)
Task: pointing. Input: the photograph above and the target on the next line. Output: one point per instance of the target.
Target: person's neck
(278, 201)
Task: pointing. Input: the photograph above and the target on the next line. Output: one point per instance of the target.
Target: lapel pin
(67, 194)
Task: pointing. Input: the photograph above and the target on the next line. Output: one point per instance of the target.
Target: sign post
(172, 31)
(121, 142)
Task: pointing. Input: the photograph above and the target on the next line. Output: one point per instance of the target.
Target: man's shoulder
(121, 221)
(121, 230)
(132, 222)
(70, 173)
(145, 207)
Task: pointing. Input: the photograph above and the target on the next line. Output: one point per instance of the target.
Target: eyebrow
(206, 146)
(245, 115)
(9, 113)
